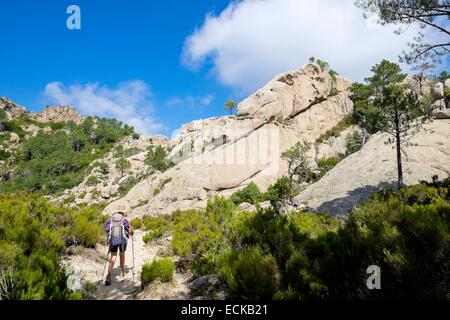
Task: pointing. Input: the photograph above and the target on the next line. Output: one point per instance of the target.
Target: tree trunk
(399, 152)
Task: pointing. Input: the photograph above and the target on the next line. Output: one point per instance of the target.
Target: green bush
(336, 130)
(104, 168)
(77, 295)
(152, 235)
(136, 223)
(92, 181)
(157, 158)
(250, 194)
(283, 189)
(4, 154)
(353, 143)
(87, 233)
(125, 187)
(120, 152)
(327, 164)
(30, 247)
(447, 93)
(250, 274)
(161, 270)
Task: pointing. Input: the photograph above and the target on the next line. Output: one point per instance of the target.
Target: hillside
(205, 205)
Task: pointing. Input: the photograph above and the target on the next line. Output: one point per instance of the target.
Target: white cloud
(129, 102)
(191, 101)
(253, 40)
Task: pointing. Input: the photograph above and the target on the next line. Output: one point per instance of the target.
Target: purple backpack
(117, 234)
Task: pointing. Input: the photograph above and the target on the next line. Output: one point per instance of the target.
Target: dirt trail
(88, 265)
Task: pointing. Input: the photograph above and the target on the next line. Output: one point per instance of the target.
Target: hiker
(118, 230)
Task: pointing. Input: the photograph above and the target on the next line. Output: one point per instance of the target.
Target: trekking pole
(104, 267)
(132, 251)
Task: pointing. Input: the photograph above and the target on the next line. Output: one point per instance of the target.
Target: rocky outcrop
(440, 108)
(373, 168)
(335, 146)
(289, 94)
(57, 114)
(219, 156)
(12, 109)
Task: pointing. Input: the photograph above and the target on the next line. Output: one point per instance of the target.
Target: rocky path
(88, 265)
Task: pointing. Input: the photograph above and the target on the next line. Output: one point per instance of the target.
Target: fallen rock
(441, 114)
(206, 285)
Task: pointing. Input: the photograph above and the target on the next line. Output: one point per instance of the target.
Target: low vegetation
(161, 270)
(268, 255)
(33, 236)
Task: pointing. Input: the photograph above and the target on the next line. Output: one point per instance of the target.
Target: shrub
(4, 154)
(77, 295)
(336, 130)
(87, 233)
(92, 181)
(136, 223)
(157, 158)
(250, 274)
(219, 209)
(125, 187)
(282, 190)
(447, 93)
(327, 164)
(250, 194)
(125, 153)
(161, 270)
(30, 248)
(353, 143)
(152, 235)
(104, 168)
(57, 125)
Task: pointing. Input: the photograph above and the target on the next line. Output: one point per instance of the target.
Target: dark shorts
(121, 247)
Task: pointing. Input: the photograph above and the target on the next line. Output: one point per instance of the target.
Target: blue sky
(159, 64)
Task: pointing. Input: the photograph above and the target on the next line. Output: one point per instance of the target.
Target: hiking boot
(108, 279)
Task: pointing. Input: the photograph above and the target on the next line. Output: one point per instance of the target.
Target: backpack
(117, 230)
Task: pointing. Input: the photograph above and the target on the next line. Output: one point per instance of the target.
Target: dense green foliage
(157, 158)
(33, 235)
(51, 162)
(250, 194)
(120, 152)
(161, 270)
(266, 254)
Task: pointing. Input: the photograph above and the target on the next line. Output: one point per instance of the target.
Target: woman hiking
(118, 230)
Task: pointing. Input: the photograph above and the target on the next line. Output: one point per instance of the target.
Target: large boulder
(288, 94)
(373, 168)
(441, 114)
(447, 83)
(438, 91)
(219, 156)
